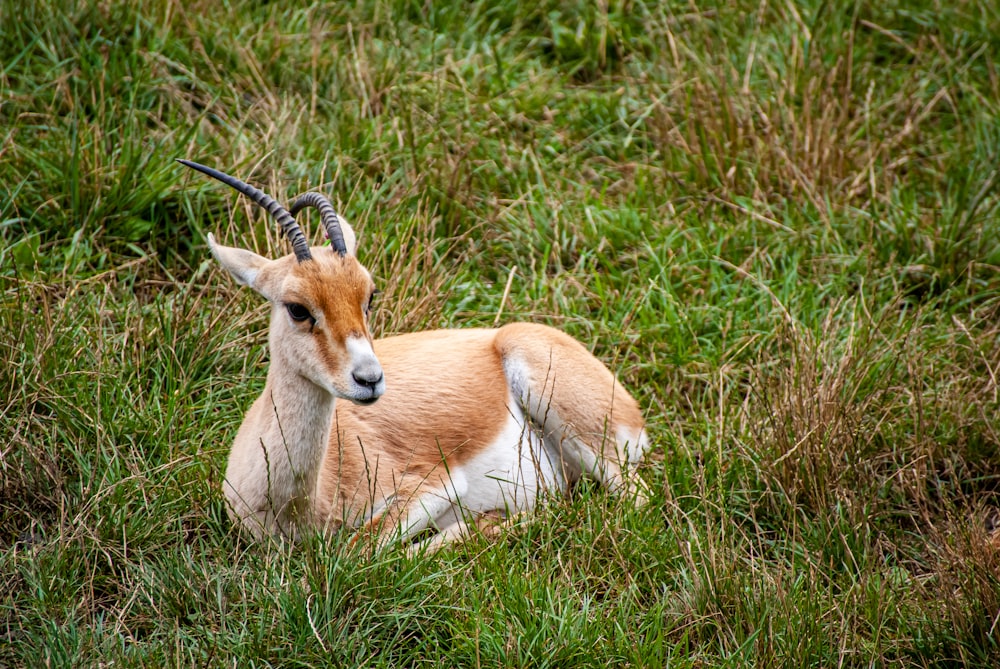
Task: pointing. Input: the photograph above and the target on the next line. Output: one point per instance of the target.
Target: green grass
(777, 222)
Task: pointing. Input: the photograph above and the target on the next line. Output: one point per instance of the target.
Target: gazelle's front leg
(411, 510)
(488, 524)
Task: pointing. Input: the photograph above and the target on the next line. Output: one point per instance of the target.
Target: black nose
(369, 380)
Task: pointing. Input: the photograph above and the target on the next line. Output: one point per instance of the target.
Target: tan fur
(469, 424)
(275, 458)
(577, 396)
(447, 397)
(430, 413)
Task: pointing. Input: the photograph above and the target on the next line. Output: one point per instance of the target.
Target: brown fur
(448, 397)
(430, 413)
(591, 401)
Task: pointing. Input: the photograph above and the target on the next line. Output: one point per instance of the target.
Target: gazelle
(468, 424)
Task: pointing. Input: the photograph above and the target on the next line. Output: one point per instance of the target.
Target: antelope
(443, 431)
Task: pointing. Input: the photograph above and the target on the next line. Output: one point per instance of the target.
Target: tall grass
(777, 222)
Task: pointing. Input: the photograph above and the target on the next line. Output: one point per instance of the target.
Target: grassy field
(778, 222)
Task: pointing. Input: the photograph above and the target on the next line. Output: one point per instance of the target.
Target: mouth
(362, 395)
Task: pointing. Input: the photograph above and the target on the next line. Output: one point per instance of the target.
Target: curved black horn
(286, 220)
(330, 219)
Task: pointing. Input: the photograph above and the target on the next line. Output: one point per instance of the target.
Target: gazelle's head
(320, 297)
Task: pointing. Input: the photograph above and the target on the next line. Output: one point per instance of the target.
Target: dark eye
(371, 300)
(298, 312)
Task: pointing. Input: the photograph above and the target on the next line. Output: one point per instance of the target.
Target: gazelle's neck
(276, 459)
(302, 412)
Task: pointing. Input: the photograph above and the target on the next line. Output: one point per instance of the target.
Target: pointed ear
(350, 239)
(245, 266)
